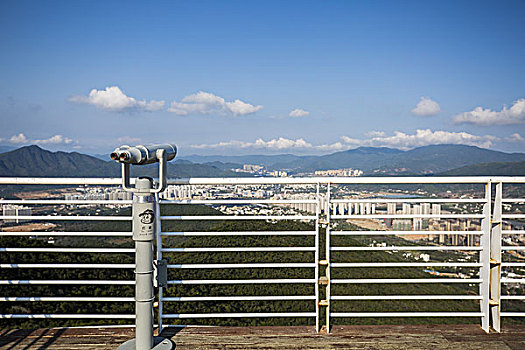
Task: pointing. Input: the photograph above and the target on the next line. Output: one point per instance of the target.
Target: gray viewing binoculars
(141, 154)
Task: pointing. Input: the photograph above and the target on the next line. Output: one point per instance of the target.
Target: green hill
(37, 162)
(490, 169)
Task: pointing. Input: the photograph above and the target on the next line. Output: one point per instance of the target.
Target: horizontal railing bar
(512, 297)
(513, 264)
(64, 201)
(248, 281)
(513, 232)
(241, 298)
(66, 218)
(68, 316)
(406, 248)
(388, 233)
(406, 280)
(270, 180)
(513, 280)
(66, 234)
(240, 249)
(119, 299)
(513, 216)
(240, 233)
(238, 201)
(410, 200)
(409, 216)
(186, 326)
(348, 180)
(239, 217)
(406, 314)
(512, 247)
(5, 282)
(512, 314)
(61, 181)
(239, 266)
(406, 297)
(395, 264)
(237, 315)
(512, 200)
(68, 250)
(68, 266)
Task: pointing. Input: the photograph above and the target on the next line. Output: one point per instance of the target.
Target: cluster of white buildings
(416, 224)
(339, 172)
(16, 211)
(99, 193)
(177, 192)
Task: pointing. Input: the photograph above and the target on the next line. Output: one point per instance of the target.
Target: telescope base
(159, 343)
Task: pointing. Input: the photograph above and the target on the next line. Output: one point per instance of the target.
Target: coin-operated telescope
(140, 155)
(146, 225)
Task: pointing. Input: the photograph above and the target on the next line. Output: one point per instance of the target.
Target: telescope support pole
(144, 233)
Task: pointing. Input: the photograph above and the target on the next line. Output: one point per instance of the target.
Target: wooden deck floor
(431, 337)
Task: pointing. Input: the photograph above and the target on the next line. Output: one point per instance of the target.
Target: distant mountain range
(428, 160)
(378, 160)
(35, 161)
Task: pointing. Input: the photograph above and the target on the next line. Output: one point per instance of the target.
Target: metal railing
(354, 257)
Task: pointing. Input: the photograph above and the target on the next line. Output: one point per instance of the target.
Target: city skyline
(262, 77)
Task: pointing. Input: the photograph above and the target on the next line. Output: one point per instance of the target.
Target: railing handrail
(269, 180)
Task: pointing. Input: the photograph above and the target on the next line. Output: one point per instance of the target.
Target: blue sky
(224, 77)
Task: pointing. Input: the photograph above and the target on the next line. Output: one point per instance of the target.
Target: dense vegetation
(222, 290)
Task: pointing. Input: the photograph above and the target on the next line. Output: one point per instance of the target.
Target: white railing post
(159, 257)
(495, 259)
(484, 287)
(328, 284)
(317, 223)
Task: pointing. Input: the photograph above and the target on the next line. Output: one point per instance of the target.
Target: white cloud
(54, 140)
(507, 116)
(426, 107)
(129, 140)
(113, 99)
(515, 138)
(20, 138)
(280, 143)
(375, 134)
(208, 103)
(297, 113)
(422, 137)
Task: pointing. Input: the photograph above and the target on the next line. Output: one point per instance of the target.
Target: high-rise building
(16, 210)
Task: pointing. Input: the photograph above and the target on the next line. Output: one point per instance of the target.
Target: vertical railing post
(495, 259)
(317, 299)
(484, 287)
(159, 256)
(328, 284)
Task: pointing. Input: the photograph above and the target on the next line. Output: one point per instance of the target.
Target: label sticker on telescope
(147, 217)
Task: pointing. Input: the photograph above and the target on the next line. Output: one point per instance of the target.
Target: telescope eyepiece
(124, 157)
